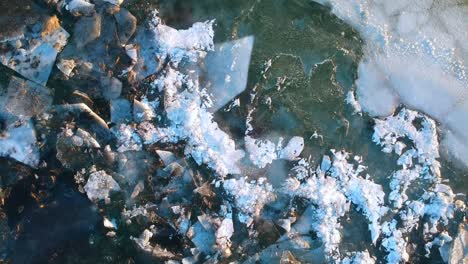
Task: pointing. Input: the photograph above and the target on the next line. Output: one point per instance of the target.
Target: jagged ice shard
(227, 69)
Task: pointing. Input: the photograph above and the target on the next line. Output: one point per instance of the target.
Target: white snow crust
(250, 197)
(418, 163)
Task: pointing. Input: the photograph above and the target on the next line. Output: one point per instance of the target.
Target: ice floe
(32, 54)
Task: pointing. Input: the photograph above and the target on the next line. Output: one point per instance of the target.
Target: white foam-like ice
(359, 258)
(329, 206)
(390, 133)
(418, 163)
(335, 184)
(250, 197)
(261, 152)
(415, 54)
(186, 104)
(365, 194)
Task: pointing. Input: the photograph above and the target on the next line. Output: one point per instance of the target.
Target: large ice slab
(227, 69)
(32, 48)
(19, 143)
(26, 98)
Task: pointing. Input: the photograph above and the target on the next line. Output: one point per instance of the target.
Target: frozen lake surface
(248, 131)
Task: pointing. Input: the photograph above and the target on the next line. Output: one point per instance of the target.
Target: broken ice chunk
(79, 7)
(293, 149)
(224, 234)
(166, 156)
(142, 111)
(25, 98)
(86, 30)
(203, 237)
(35, 56)
(111, 224)
(115, 2)
(326, 163)
(99, 186)
(79, 109)
(66, 66)
(132, 53)
(227, 70)
(120, 111)
(72, 147)
(285, 224)
(144, 240)
(126, 25)
(19, 143)
(111, 87)
(138, 189)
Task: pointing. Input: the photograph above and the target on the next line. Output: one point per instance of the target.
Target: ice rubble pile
(437, 202)
(406, 40)
(330, 189)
